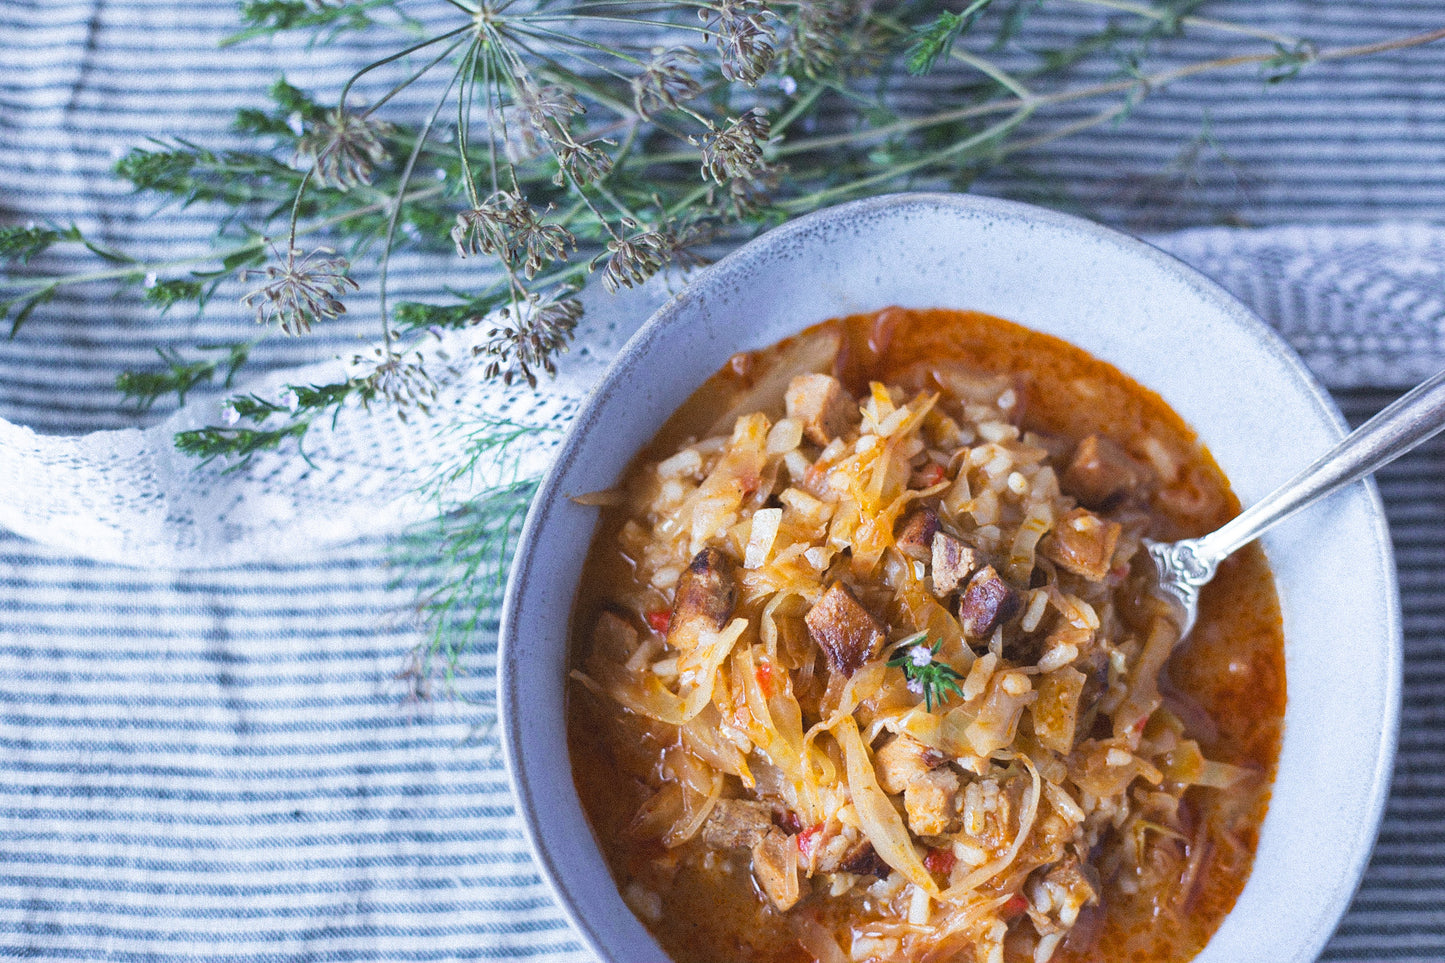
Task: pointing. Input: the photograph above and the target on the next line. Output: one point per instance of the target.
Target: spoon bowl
(1186, 566)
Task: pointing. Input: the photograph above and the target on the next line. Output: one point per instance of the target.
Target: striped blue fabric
(230, 765)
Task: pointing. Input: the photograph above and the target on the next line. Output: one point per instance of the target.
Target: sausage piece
(915, 534)
(1083, 543)
(1102, 475)
(847, 633)
(934, 803)
(903, 759)
(737, 824)
(987, 603)
(706, 595)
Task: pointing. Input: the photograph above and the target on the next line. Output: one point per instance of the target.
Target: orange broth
(1231, 668)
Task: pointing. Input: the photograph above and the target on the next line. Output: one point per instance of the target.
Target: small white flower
(788, 85)
(287, 399)
(440, 174)
(920, 655)
(229, 414)
(915, 686)
(151, 279)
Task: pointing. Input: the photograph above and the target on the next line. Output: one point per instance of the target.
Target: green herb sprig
(927, 675)
(550, 153)
(567, 138)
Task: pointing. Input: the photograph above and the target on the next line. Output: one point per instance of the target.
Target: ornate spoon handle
(1185, 566)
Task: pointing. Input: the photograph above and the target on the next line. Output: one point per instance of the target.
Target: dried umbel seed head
(584, 163)
(666, 81)
(548, 106)
(547, 110)
(744, 37)
(528, 336)
(633, 259)
(816, 33)
(345, 148)
(401, 379)
(735, 152)
(301, 290)
(507, 226)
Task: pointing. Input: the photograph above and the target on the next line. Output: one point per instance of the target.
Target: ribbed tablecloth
(229, 765)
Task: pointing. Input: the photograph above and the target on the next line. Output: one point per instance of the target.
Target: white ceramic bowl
(1230, 377)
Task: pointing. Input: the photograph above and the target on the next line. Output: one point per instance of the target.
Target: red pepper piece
(767, 675)
(808, 839)
(931, 474)
(939, 861)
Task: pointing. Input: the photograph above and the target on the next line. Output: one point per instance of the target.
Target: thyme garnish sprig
(927, 675)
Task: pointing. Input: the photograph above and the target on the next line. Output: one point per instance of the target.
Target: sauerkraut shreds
(868, 667)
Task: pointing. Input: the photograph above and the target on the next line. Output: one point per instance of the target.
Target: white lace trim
(1362, 306)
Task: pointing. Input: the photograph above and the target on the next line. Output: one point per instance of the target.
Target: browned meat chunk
(953, 561)
(914, 537)
(987, 603)
(1102, 475)
(706, 594)
(737, 824)
(934, 802)
(1083, 543)
(903, 759)
(863, 860)
(839, 849)
(847, 633)
(822, 405)
(775, 865)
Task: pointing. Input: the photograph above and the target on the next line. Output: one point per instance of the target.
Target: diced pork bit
(706, 594)
(934, 803)
(1083, 543)
(613, 637)
(953, 562)
(1102, 475)
(987, 603)
(847, 633)
(915, 534)
(821, 403)
(737, 824)
(903, 759)
(775, 865)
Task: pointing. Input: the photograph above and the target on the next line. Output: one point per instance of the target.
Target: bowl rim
(510, 710)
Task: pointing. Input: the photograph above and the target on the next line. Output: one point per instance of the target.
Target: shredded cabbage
(812, 736)
(878, 819)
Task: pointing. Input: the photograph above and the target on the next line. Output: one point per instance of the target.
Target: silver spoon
(1186, 566)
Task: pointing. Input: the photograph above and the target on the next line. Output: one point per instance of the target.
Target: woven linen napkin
(229, 763)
